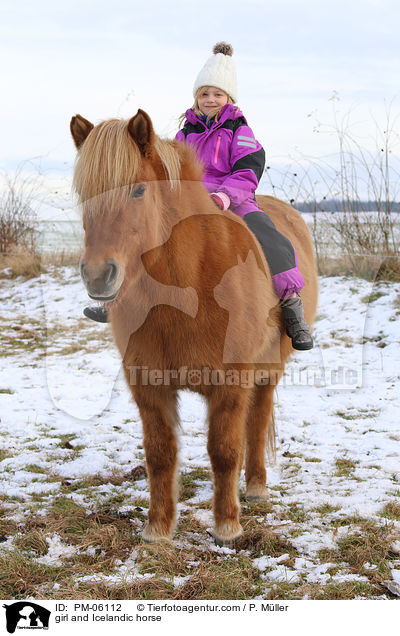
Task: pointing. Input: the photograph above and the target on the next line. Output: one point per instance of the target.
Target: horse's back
(292, 225)
(288, 221)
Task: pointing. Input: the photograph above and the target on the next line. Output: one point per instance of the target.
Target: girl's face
(211, 98)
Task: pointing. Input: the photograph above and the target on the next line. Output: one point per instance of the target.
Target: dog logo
(26, 615)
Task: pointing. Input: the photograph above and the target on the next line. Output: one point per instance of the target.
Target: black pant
(277, 249)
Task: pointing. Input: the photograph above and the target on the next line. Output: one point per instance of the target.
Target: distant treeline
(336, 205)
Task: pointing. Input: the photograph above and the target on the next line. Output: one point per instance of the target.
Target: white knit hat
(219, 71)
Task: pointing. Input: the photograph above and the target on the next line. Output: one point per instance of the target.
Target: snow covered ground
(337, 413)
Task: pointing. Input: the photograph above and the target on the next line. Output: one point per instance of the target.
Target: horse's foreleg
(159, 420)
(259, 427)
(227, 414)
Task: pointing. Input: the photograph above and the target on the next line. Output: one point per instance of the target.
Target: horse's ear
(141, 130)
(80, 128)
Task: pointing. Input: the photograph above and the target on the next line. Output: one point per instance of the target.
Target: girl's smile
(211, 98)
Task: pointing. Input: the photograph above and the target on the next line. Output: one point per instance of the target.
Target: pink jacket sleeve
(247, 160)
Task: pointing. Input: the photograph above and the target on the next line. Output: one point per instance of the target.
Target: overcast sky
(108, 58)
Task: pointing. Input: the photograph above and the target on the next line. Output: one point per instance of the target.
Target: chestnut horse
(191, 305)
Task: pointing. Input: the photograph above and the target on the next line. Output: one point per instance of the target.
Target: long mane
(109, 161)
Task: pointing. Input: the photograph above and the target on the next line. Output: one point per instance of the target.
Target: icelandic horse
(191, 305)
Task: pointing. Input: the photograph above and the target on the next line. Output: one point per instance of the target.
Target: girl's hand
(221, 200)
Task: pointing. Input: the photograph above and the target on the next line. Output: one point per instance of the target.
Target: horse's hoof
(225, 543)
(257, 498)
(152, 535)
(257, 494)
(226, 534)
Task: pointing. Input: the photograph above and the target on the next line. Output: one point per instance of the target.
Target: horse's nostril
(112, 274)
(100, 279)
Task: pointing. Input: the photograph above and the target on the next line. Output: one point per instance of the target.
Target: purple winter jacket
(232, 157)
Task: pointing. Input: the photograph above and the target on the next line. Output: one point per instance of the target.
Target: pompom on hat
(219, 71)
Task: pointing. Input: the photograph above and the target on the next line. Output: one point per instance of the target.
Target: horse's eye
(138, 191)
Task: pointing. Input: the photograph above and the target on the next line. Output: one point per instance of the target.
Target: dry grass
(33, 541)
(61, 258)
(368, 267)
(315, 591)
(344, 467)
(21, 577)
(98, 542)
(366, 542)
(391, 510)
(20, 262)
(8, 527)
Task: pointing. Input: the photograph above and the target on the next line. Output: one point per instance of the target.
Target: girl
(234, 163)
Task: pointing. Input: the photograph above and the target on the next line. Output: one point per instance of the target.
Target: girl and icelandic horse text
(191, 300)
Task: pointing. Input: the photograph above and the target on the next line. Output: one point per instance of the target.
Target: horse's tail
(271, 437)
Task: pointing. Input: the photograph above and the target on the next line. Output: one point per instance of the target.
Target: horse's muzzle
(102, 281)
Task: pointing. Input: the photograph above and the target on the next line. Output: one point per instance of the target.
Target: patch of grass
(223, 579)
(201, 474)
(111, 534)
(365, 267)
(289, 454)
(138, 472)
(34, 468)
(354, 520)
(189, 482)
(188, 487)
(339, 591)
(344, 467)
(21, 577)
(396, 302)
(67, 517)
(16, 338)
(285, 590)
(33, 541)
(212, 576)
(389, 269)
(326, 509)
(375, 295)
(164, 559)
(65, 441)
(94, 481)
(258, 540)
(152, 589)
(80, 347)
(368, 542)
(115, 537)
(360, 414)
(8, 527)
(20, 262)
(4, 453)
(391, 511)
(6, 392)
(187, 523)
(62, 258)
(297, 514)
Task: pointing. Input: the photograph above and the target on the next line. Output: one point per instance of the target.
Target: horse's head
(121, 174)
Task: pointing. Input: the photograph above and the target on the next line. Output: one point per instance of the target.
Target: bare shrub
(18, 220)
(353, 199)
(19, 253)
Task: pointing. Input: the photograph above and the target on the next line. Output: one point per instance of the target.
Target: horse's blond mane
(109, 161)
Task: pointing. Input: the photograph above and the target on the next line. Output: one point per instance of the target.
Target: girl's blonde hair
(213, 114)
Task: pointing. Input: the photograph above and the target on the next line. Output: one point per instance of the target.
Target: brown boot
(296, 326)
